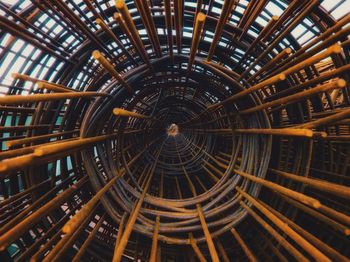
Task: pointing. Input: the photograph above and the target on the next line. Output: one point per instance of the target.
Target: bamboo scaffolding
(256, 170)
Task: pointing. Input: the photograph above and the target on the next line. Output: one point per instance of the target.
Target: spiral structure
(175, 130)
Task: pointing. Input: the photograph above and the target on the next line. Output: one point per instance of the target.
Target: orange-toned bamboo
(243, 245)
(225, 12)
(310, 201)
(87, 242)
(32, 139)
(49, 149)
(147, 18)
(270, 81)
(178, 10)
(19, 99)
(310, 249)
(280, 239)
(122, 8)
(197, 32)
(209, 239)
(222, 251)
(48, 85)
(133, 216)
(169, 26)
(53, 87)
(110, 69)
(120, 230)
(78, 218)
(338, 190)
(155, 240)
(14, 233)
(338, 84)
(314, 240)
(264, 131)
(126, 113)
(196, 249)
(326, 120)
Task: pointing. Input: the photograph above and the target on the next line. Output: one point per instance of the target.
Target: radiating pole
(297, 132)
(197, 32)
(42, 83)
(169, 27)
(87, 242)
(225, 12)
(147, 18)
(243, 245)
(19, 99)
(208, 237)
(310, 201)
(335, 189)
(314, 252)
(126, 113)
(32, 139)
(178, 10)
(76, 220)
(122, 8)
(196, 249)
(155, 240)
(11, 235)
(135, 211)
(110, 33)
(110, 69)
(282, 240)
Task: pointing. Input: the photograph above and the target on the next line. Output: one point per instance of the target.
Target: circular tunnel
(146, 130)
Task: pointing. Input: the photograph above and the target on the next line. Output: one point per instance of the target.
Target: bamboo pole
(338, 84)
(147, 18)
(335, 189)
(110, 33)
(20, 99)
(225, 12)
(78, 218)
(85, 245)
(169, 27)
(155, 240)
(310, 201)
(126, 113)
(34, 139)
(197, 32)
(281, 240)
(212, 250)
(264, 131)
(222, 251)
(133, 216)
(14, 233)
(110, 69)
(122, 8)
(311, 238)
(196, 249)
(178, 10)
(44, 84)
(120, 230)
(310, 249)
(48, 150)
(243, 245)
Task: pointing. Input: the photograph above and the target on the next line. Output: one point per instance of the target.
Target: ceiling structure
(160, 130)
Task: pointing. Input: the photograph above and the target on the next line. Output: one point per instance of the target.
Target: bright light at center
(173, 130)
